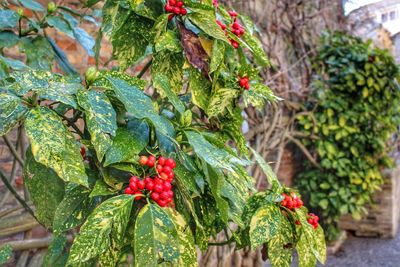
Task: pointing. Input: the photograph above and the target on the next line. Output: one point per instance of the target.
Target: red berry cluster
(176, 8)
(244, 82)
(164, 168)
(215, 3)
(292, 202)
(160, 191)
(313, 220)
(236, 28)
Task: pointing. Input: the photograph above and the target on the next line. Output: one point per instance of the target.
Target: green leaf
(131, 39)
(205, 20)
(55, 256)
(102, 81)
(279, 250)
(320, 244)
(258, 95)
(13, 64)
(232, 125)
(170, 65)
(54, 146)
(29, 80)
(217, 57)
(32, 4)
(155, 237)
(60, 90)
(264, 225)
(39, 53)
(8, 19)
(306, 257)
(200, 88)
(139, 105)
(187, 248)
(11, 112)
(102, 189)
(100, 119)
(161, 83)
(256, 48)
(115, 14)
(269, 173)
(106, 226)
(128, 143)
(60, 24)
(8, 38)
(214, 156)
(168, 41)
(45, 188)
(73, 209)
(5, 254)
(86, 41)
(220, 100)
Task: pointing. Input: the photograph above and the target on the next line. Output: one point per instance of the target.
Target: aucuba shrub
(148, 169)
(350, 120)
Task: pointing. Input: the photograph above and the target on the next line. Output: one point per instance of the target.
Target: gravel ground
(365, 252)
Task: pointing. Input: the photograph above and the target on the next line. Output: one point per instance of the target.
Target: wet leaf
(11, 112)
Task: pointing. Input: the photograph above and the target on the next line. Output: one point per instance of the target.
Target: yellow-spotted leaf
(54, 146)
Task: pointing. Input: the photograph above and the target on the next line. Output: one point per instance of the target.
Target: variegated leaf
(155, 238)
(305, 255)
(258, 95)
(73, 209)
(279, 246)
(100, 119)
(105, 227)
(264, 225)
(204, 19)
(256, 48)
(54, 146)
(128, 142)
(220, 100)
(217, 56)
(45, 188)
(11, 112)
(187, 248)
(200, 88)
(161, 83)
(171, 65)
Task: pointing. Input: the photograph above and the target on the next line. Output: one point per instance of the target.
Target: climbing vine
(350, 122)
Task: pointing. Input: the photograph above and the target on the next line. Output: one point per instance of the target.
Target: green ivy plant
(91, 137)
(351, 117)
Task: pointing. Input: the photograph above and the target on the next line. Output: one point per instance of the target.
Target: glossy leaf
(161, 83)
(200, 88)
(105, 226)
(128, 142)
(8, 19)
(55, 255)
(100, 118)
(169, 64)
(54, 146)
(45, 188)
(39, 53)
(32, 4)
(11, 112)
(264, 225)
(220, 100)
(217, 57)
(8, 38)
(85, 40)
(204, 19)
(73, 209)
(256, 48)
(155, 237)
(214, 156)
(269, 173)
(258, 96)
(60, 24)
(279, 250)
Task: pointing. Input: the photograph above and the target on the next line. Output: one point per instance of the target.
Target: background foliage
(350, 125)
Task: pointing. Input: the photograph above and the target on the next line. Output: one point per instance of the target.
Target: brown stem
(13, 150)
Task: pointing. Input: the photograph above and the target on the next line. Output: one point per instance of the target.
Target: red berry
(284, 203)
(170, 193)
(235, 44)
(150, 186)
(166, 170)
(169, 200)
(172, 2)
(176, 10)
(170, 163)
(164, 176)
(141, 185)
(247, 86)
(162, 203)
(167, 186)
(236, 26)
(168, 8)
(155, 196)
(179, 4)
(143, 160)
(134, 179)
(159, 168)
(128, 191)
(138, 197)
(171, 176)
(133, 186)
(232, 13)
(170, 17)
(158, 188)
(297, 222)
(161, 160)
(183, 11)
(158, 180)
(83, 151)
(147, 180)
(151, 162)
(164, 195)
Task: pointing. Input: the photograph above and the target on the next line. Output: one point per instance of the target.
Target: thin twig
(304, 150)
(13, 150)
(145, 68)
(16, 195)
